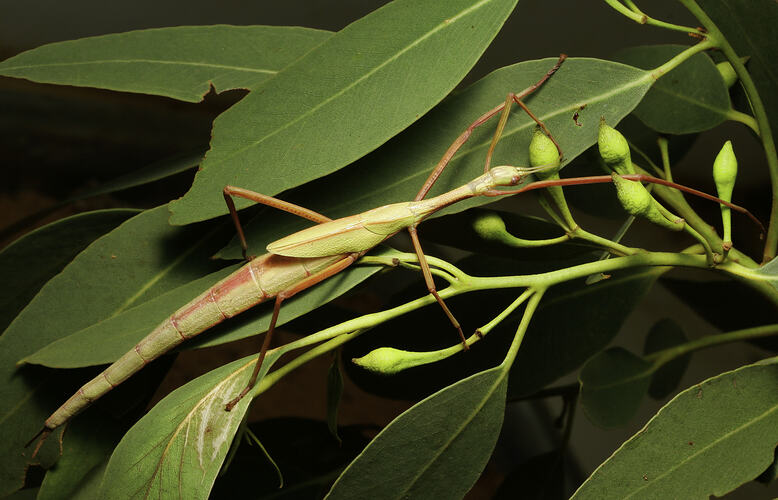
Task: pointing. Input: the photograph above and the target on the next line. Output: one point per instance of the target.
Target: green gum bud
(490, 226)
(725, 171)
(614, 149)
(543, 152)
(388, 360)
(637, 201)
(724, 174)
(727, 73)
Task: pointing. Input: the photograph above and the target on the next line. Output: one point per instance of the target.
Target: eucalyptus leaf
(691, 98)
(759, 43)
(29, 262)
(133, 263)
(664, 334)
(177, 448)
(181, 62)
(145, 175)
(90, 442)
(558, 343)
(708, 440)
(436, 449)
(343, 99)
(613, 383)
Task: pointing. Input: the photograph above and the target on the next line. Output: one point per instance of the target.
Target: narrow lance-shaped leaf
(613, 384)
(177, 449)
(343, 99)
(692, 98)
(27, 263)
(436, 449)
(181, 62)
(708, 440)
(131, 263)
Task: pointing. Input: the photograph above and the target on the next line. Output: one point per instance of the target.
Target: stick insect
(305, 258)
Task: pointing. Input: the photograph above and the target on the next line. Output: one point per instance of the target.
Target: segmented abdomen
(255, 282)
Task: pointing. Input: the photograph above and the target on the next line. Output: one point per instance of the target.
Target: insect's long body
(361, 232)
(257, 281)
(301, 260)
(291, 260)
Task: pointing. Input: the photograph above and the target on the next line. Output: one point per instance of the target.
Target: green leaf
(145, 175)
(181, 62)
(343, 99)
(664, 334)
(613, 383)
(708, 440)
(593, 314)
(436, 449)
(29, 262)
(90, 486)
(398, 169)
(759, 42)
(754, 308)
(134, 262)
(177, 448)
(691, 98)
(89, 444)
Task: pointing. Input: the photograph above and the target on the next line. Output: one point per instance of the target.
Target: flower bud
(490, 226)
(543, 153)
(636, 200)
(725, 171)
(388, 360)
(614, 149)
(727, 73)
(724, 174)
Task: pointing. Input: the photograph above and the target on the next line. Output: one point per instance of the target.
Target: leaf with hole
(181, 62)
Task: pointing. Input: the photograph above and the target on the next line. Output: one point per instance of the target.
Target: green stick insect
(305, 258)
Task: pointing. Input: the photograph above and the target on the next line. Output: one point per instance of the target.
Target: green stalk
(766, 134)
(664, 356)
(639, 17)
(339, 334)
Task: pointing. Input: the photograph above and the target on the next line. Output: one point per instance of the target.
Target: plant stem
(766, 134)
(681, 57)
(639, 17)
(747, 120)
(343, 332)
(532, 306)
(664, 356)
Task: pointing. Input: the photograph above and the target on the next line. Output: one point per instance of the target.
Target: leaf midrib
(445, 23)
(725, 436)
(458, 430)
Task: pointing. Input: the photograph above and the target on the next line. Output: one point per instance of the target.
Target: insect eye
(515, 180)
